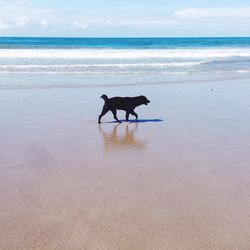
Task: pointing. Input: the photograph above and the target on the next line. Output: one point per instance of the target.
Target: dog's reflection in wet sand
(122, 136)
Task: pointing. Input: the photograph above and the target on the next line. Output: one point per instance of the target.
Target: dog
(127, 104)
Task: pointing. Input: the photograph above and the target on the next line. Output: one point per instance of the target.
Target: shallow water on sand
(177, 179)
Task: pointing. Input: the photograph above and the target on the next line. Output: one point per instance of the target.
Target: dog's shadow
(121, 137)
(138, 121)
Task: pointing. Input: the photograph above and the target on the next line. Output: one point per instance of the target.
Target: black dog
(122, 103)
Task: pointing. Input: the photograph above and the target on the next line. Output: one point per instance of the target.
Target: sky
(127, 18)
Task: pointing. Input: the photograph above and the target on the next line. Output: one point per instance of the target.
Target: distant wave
(174, 64)
(174, 67)
(91, 68)
(124, 61)
(122, 53)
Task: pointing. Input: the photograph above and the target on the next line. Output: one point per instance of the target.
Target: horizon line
(124, 37)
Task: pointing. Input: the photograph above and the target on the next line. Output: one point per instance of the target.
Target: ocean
(71, 62)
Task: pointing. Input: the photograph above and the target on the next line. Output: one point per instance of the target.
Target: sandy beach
(177, 179)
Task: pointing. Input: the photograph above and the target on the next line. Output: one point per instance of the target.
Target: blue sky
(130, 18)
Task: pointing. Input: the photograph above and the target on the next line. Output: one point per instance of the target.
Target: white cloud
(22, 21)
(19, 21)
(22, 2)
(108, 22)
(79, 25)
(28, 17)
(4, 25)
(213, 13)
(141, 23)
(44, 23)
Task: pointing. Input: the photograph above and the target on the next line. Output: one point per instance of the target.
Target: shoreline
(36, 81)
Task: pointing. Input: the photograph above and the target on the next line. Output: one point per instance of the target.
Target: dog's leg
(127, 116)
(105, 109)
(134, 114)
(115, 117)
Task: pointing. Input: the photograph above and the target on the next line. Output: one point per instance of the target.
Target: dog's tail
(104, 97)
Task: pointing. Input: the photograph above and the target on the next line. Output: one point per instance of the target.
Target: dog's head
(144, 100)
(104, 97)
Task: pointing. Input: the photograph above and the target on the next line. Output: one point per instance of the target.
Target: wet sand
(177, 179)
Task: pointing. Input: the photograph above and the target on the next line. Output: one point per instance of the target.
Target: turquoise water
(124, 43)
(89, 59)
